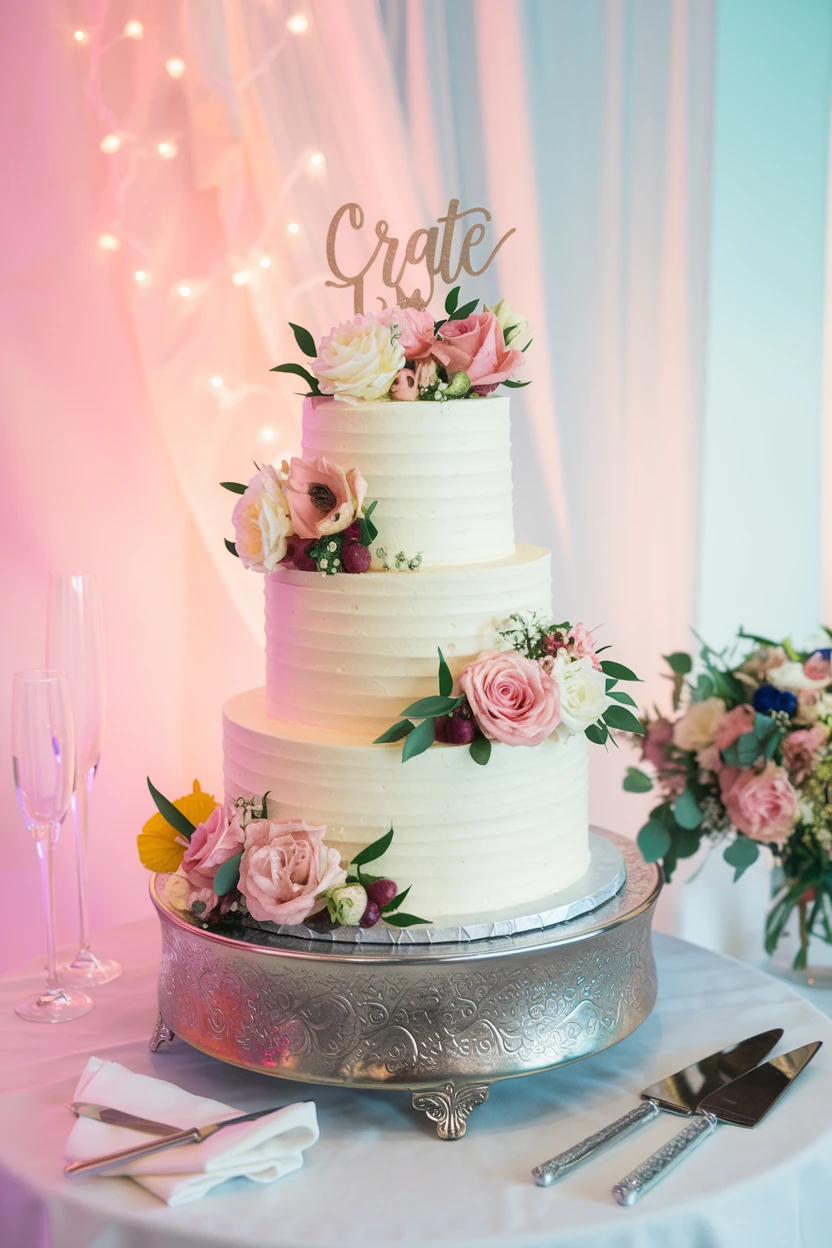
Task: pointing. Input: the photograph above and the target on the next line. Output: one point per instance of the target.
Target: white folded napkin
(263, 1150)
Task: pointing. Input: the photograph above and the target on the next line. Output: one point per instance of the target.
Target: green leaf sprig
(307, 345)
(420, 737)
(371, 853)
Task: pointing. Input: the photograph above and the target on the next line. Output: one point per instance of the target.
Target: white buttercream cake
(346, 654)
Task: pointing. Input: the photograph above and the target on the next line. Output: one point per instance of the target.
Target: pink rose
(733, 724)
(659, 737)
(513, 699)
(414, 330)
(762, 804)
(818, 666)
(212, 843)
(284, 868)
(322, 498)
(480, 338)
(404, 387)
(582, 645)
(801, 748)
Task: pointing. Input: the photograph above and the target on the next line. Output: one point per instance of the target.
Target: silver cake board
(602, 879)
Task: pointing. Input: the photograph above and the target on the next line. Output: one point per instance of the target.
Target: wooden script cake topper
(421, 249)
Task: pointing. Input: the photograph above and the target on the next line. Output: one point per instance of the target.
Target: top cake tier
(441, 472)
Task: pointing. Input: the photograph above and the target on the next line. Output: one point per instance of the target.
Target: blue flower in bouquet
(768, 699)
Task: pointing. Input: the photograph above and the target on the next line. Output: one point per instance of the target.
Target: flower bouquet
(745, 761)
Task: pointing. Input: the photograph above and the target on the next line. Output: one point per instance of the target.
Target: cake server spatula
(744, 1102)
(679, 1094)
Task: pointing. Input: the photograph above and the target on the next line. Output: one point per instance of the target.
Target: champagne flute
(43, 762)
(74, 644)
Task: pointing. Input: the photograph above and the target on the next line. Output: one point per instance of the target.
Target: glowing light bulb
(216, 382)
(167, 149)
(140, 276)
(267, 434)
(265, 262)
(108, 242)
(80, 36)
(293, 227)
(185, 291)
(298, 24)
(175, 66)
(316, 159)
(242, 277)
(110, 143)
(134, 30)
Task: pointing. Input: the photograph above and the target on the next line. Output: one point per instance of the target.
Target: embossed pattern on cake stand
(441, 1021)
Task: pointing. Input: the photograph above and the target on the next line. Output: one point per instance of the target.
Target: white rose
(583, 692)
(177, 891)
(790, 675)
(697, 727)
(262, 522)
(358, 360)
(515, 327)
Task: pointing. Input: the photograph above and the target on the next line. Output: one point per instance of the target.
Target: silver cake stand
(443, 1021)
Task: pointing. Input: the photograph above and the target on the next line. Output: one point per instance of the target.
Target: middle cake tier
(349, 653)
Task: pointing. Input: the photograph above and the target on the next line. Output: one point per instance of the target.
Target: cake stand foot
(450, 1106)
(162, 1034)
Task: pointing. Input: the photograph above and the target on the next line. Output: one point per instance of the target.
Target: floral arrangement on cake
(549, 680)
(744, 762)
(310, 514)
(230, 861)
(403, 353)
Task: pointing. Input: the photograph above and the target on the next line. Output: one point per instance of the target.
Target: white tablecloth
(379, 1175)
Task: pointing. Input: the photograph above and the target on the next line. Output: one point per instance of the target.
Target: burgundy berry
(461, 731)
(440, 728)
(355, 557)
(371, 915)
(300, 558)
(354, 531)
(382, 891)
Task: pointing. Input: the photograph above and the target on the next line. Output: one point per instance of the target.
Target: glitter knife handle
(557, 1167)
(640, 1181)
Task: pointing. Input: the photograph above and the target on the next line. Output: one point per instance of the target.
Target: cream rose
(583, 692)
(697, 727)
(791, 676)
(177, 890)
(515, 327)
(262, 522)
(359, 360)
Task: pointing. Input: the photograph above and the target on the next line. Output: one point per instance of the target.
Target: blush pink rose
(818, 666)
(480, 338)
(733, 724)
(582, 645)
(415, 334)
(322, 497)
(514, 700)
(284, 868)
(762, 804)
(212, 843)
(801, 748)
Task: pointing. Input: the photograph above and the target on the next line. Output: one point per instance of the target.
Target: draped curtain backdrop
(585, 124)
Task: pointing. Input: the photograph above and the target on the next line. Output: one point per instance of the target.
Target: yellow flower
(160, 846)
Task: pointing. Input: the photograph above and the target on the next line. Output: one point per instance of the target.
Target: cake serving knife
(681, 1093)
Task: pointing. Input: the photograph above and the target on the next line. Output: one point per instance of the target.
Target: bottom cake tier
(468, 839)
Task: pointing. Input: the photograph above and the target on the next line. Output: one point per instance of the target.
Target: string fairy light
(134, 30)
(298, 24)
(110, 143)
(265, 262)
(167, 149)
(175, 66)
(184, 290)
(293, 227)
(242, 277)
(316, 160)
(80, 36)
(140, 276)
(217, 382)
(108, 242)
(267, 434)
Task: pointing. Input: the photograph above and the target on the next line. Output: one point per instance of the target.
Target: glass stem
(80, 818)
(45, 843)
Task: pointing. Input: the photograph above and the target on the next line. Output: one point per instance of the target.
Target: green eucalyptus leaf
(740, 855)
(480, 750)
(653, 840)
(396, 901)
(610, 668)
(517, 385)
(460, 314)
(234, 486)
(228, 875)
(687, 812)
(369, 532)
(621, 696)
(399, 730)
(597, 733)
(637, 781)
(743, 752)
(375, 850)
(704, 688)
(679, 662)
(451, 300)
(432, 706)
(299, 371)
(169, 812)
(304, 340)
(231, 548)
(403, 920)
(686, 842)
(420, 739)
(622, 719)
(446, 680)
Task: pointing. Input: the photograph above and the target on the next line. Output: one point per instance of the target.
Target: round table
(379, 1175)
